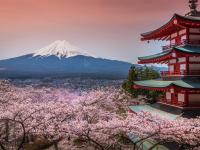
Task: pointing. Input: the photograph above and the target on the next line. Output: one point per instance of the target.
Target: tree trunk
(55, 145)
(7, 130)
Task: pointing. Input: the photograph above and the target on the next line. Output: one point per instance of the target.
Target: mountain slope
(76, 66)
(61, 59)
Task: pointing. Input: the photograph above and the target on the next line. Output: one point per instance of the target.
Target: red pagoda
(181, 83)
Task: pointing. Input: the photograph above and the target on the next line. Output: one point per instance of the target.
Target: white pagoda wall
(172, 61)
(194, 59)
(194, 30)
(171, 68)
(168, 96)
(182, 59)
(181, 97)
(194, 37)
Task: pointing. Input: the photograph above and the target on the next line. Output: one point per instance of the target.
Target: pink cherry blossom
(95, 118)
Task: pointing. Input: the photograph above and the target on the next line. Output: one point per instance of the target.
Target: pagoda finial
(193, 8)
(193, 5)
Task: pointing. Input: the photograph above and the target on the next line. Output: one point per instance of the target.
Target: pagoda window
(174, 35)
(194, 30)
(183, 67)
(194, 66)
(182, 59)
(194, 37)
(171, 68)
(182, 32)
(194, 69)
(172, 61)
(181, 97)
(168, 96)
(173, 42)
(172, 90)
(194, 99)
(194, 59)
(173, 54)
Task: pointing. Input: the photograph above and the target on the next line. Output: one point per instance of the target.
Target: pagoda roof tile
(163, 84)
(154, 110)
(187, 49)
(156, 33)
(154, 56)
(192, 18)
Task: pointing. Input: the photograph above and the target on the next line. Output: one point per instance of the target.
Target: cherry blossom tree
(80, 119)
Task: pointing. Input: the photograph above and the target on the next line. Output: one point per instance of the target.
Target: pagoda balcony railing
(168, 73)
(181, 43)
(170, 46)
(194, 72)
(181, 73)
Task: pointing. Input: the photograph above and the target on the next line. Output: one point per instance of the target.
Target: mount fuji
(61, 59)
(61, 49)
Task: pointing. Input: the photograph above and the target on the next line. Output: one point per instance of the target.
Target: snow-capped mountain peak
(60, 49)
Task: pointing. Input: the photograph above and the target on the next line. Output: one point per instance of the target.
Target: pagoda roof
(189, 49)
(155, 56)
(146, 144)
(164, 84)
(167, 54)
(154, 110)
(176, 23)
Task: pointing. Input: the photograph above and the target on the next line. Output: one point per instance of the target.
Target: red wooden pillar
(174, 99)
(187, 65)
(188, 35)
(186, 99)
(178, 39)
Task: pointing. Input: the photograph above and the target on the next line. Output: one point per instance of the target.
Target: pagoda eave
(176, 23)
(161, 85)
(159, 60)
(164, 89)
(164, 57)
(156, 58)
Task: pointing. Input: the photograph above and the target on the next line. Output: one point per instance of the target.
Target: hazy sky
(105, 28)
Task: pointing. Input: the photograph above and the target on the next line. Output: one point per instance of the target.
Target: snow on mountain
(61, 49)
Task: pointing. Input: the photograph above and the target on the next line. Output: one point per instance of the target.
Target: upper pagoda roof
(168, 54)
(176, 23)
(188, 49)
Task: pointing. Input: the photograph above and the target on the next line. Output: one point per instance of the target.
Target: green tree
(148, 73)
(141, 73)
(129, 82)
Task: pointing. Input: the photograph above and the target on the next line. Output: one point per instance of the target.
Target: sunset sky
(105, 28)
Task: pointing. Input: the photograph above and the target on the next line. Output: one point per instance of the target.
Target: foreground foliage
(98, 119)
